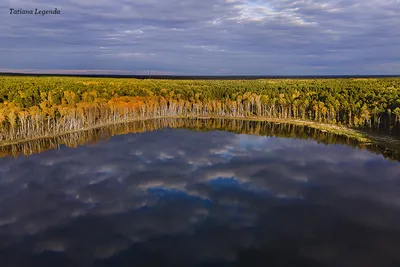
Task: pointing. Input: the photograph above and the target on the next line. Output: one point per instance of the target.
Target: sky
(209, 37)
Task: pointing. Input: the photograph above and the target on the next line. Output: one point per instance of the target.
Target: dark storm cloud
(201, 192)
(205, 37)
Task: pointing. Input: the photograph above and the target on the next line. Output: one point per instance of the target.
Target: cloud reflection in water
(174, 198)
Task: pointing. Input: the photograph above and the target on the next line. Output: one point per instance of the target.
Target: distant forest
(40, 106)
(194, 77)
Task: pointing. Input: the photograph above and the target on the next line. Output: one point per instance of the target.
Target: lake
(199, 197)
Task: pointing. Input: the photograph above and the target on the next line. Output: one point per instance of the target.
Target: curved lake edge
(384, 145)
(359, 135)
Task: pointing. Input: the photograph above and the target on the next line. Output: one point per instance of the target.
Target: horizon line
(158, 73)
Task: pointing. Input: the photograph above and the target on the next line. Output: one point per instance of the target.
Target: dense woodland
(262, 128)
(44, 106)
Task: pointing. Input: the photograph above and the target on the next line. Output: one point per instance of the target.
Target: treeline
(261, 128)
(43, 106)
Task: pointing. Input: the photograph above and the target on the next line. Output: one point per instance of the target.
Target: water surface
(175, 197)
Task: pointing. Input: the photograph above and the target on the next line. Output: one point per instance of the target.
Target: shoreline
(358, 135)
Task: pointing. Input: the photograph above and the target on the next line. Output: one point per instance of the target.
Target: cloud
(197, 37)
(214, 201)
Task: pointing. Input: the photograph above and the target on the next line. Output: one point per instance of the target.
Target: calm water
(185, 198)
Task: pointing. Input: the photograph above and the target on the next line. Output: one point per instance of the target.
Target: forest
(32, 107)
